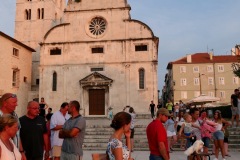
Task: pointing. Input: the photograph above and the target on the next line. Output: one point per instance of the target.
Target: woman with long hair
(218, 135)
(8, 130)
(116, 149)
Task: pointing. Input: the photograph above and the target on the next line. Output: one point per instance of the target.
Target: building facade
(201, 73)
(95, 53)
(15, 69)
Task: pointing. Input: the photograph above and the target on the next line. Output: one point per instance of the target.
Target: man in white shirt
(57, 121)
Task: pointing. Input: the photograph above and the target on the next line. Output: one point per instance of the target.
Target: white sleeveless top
(8, 155)
(218, 127)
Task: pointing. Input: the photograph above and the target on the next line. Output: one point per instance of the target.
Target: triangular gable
(95, 79)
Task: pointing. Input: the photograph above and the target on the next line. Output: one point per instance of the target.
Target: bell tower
(32, 21)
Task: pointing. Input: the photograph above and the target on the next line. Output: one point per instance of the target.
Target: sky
(183, 26)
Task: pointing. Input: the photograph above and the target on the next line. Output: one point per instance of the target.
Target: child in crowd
(110, 113)
(187, 129)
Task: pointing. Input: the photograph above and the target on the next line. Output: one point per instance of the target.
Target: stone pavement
(176, 155)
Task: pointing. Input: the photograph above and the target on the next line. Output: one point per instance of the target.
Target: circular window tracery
(97, 26)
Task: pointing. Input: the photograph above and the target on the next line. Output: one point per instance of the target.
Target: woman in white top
(116, 149)
(218, 135)
(8, 129)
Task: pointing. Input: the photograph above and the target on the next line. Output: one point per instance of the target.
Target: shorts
(132, 133)
(170, 134)
(235, 111)
(56, 151)
(206, 141)
(218, 135)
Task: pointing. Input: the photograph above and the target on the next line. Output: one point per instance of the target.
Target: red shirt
(156, 133)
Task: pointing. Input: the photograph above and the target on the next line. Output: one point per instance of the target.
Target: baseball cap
(164, 111)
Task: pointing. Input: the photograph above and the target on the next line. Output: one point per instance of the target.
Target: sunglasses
(12, 96)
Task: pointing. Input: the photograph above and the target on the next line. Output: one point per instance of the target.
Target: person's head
(217, 115)
(33, 109)
(49, 110)
(64, 107)
(48, 117)
(187, 117)
(74, 107)
(236, 91)
(131, 110)
(203, 114)
(9, 124)
(42, 99)
(8, 102)
(163, 114)
(152, 102)
(180, 114)
(121, 120)
(194, 113)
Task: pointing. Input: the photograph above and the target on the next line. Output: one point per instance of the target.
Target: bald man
(33, 133)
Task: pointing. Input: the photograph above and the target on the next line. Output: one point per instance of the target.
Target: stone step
(98, 132)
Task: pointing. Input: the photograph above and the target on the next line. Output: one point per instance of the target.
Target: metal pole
(200, 85)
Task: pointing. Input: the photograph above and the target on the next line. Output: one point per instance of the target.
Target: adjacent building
(15, 69)
(201, 73)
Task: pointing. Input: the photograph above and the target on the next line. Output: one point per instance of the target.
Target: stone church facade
(92, 52)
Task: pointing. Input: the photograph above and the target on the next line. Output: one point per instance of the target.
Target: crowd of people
(188, 124)
(37, 135)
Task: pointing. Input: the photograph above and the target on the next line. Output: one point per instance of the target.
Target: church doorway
(96, 101)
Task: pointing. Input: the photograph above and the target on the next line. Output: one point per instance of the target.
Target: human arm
(21, 150)
(57, 127)
(195, 126)
(46, 145)
(226, 124)
(46, 106)
(64, 133)
(162, 149)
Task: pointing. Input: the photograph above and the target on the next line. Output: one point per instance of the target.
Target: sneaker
(215, 159)
(224, 159)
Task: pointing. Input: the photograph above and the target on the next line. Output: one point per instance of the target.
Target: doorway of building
(96, 101)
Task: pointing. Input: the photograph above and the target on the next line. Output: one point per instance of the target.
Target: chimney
(189, 58)
(211, 55)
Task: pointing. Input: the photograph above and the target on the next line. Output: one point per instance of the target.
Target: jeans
(154, 157)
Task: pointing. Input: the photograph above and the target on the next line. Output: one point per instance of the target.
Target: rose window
(97, 26)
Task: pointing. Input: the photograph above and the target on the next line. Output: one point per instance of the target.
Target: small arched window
(141, 78)
(54, 82)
